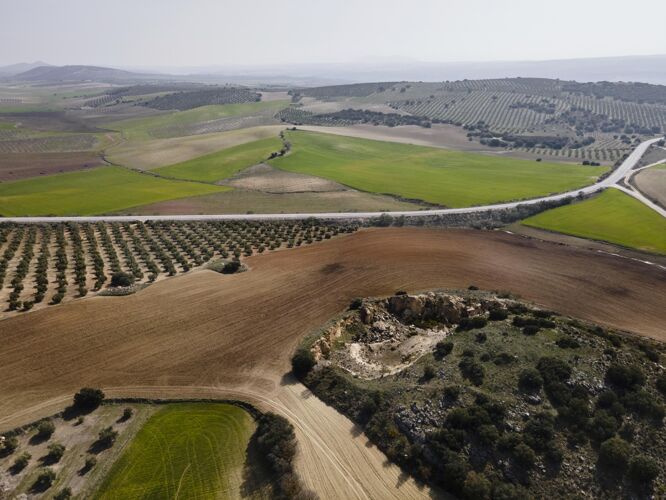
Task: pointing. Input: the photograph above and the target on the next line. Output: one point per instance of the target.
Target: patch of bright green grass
(444, 177)
(612, 216)
(223, 164)
(185, 450)
(97, 191)
(153, 126)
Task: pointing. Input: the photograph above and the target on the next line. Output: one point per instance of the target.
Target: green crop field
(97, 191)
(223, 164)
(176, 123)
(192, 450)
(444, 177)
(612, 216)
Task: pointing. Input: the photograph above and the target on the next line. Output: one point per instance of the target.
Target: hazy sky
(252, 32)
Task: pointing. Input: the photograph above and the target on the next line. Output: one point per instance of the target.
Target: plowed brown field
(205, 333)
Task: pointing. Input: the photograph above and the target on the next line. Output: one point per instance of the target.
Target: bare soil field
(161, 152)
(652, 183)
(267, 179)
(246, 201)
(232, 335)
(14, 166)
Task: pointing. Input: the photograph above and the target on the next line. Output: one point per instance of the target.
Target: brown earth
(14, 166)
(268, 179)
(206, 333)
(652, 183)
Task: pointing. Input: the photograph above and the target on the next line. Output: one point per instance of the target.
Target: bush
(625, 377)
(451, 392)
(661, 383)
(45, 429)
(89, 463)
(231, 267)
(567, 343)
(488, 435)
(614, 454)
(428, 372)
(539, 431)
(8, 446)
(356, 304)
(127, 414)
(603, 426)
(63, 494)
(476, 486)
(643, 470)
(481, 337)
(553, 369)
(443, 348)
(277, 442)
(530, 380)
(498, 315)
(302, 362)
(531, 330)
(471, 370)
(471, 323)
(21, 461)
(107, 437)
(88, 399)
(121, 279)
(55, 452)
(523, 456)
(44, 479)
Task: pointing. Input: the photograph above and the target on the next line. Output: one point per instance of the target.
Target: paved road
(612, 180)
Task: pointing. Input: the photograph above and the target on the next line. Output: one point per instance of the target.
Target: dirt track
(234, 334)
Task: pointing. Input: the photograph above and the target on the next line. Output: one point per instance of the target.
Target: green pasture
(97, 191)
(148, 127)
(185, 450)
(612, 216)
(445, 177)
(223, 164)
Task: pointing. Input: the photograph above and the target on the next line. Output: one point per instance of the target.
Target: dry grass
(652, 182)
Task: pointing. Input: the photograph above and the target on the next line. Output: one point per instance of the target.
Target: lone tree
(87, 399)
(121, 279)
(302, 362)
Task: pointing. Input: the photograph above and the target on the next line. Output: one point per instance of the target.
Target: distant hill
(15, 69)
(79, 73)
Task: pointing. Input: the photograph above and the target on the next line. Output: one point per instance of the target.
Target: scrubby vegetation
(505, 413)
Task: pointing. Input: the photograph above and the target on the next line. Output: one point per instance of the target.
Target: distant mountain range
(648, 69)
(15, 69)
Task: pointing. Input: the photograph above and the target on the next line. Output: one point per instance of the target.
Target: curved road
(613, 180)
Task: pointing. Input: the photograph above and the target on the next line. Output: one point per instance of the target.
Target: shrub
(443, 348)
(127, 414)
(302, 362)
(523, 456)
(21, 461)
(45, 429)
(451, 392)
(503, 358)
(508, 441)
(231, 267)
(625, 377)
(643, 470)
(44, 479)
(481, 337)
(472, 323)
(428, 372)
(107, 437)
(88, 399)
(553, 453)
(488, 434)
(661, 383)
(8, 446)
(63, 494)
(89, 463)
(498, 315)
(614, 454)
(553, 369)
(56, 451)
(121, 279)
(508, 491)
(539, 431)
(530, 380)
(472, 370)
(567, 343)
(356, 304)
(531, 330)
(476, 486)
(603, 426)
(642, 403)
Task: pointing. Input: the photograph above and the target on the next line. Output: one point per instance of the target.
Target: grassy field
(102, 190)
(192, 450)
(223, 164)
(449, 178)
(154, 126)
(612, 216)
